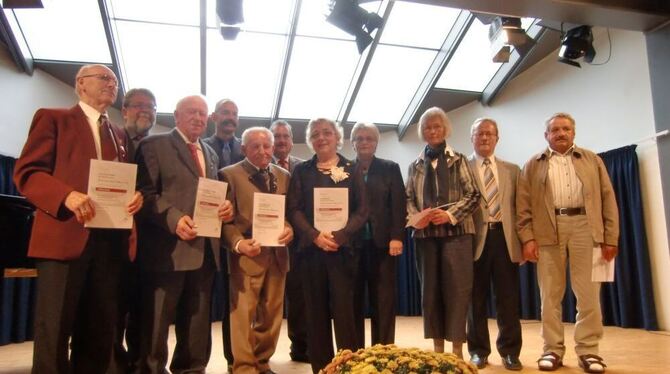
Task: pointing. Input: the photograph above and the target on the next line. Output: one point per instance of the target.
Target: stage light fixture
(576, 43)
(348, 16)
(230, 14)
(505, 33)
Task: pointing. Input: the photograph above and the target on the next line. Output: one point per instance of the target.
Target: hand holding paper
(602, 270)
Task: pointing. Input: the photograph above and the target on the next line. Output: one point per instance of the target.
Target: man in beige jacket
(565, 209)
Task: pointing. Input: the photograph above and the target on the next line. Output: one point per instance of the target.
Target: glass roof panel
(471, 68)
(419, 25)
(259, 15)
(318, 77)
(312, 21)
(245, 70)
(163, 11)
(390, 83)
(169, 65)
(52, 30)
(16, 30)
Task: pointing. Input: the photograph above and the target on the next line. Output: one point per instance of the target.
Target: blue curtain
(629, 301)
(17, 295)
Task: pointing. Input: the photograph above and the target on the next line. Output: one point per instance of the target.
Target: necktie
(194, 154)
(107, 143)
(225, 154)
(492, 197)
(283, 163)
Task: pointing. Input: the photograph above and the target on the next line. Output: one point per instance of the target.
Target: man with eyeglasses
(296, 319)
(497, 251)
(177, 266)
(139, 113)
(79, 268)
(229, 149)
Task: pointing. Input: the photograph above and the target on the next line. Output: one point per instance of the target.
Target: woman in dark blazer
(441, 177)
(330, 262)
(381, 239)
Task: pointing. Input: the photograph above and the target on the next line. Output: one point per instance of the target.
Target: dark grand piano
(16, 219)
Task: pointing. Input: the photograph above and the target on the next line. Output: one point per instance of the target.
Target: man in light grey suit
(296, 319)
(177, 266)
(257, 271)
(497, 251)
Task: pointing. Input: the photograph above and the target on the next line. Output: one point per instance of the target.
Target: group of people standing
(478, 218)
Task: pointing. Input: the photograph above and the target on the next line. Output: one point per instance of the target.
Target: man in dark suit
(139, 115)
(257, 273)
(381, 239)
(229, 149)
(79, 268)
(497, 251)
(177, 266)
(296, 319)
(224, 142)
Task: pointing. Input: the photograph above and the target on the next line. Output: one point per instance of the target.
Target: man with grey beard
(139, 115)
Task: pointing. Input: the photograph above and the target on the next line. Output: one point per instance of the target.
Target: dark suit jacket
(300, 207)
(387, 202)
(54, 162)
(217, 145)
(168, 179)
(241, 194)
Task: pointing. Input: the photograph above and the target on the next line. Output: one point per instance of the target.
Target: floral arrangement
(389, 359)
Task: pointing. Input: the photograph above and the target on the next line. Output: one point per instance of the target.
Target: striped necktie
(492, 196)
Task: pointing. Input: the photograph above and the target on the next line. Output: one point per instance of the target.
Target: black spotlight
(504, 33)
(576, 43)
(348, 16)
(230, 13)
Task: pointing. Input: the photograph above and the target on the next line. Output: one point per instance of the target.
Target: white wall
(612, 107)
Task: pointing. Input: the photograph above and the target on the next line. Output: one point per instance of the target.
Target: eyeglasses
(486, 134)
(103, 77)
(361, 139)
(143, 106)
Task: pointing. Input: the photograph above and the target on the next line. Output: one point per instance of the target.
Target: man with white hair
(257, 272)
(79, 267)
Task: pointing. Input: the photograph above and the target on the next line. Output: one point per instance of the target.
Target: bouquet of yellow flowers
(389, 359)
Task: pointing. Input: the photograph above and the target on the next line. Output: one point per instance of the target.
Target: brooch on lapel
(337, 174)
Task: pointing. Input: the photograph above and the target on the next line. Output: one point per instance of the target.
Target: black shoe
(299, 357)
(512, 363)
(479, 361)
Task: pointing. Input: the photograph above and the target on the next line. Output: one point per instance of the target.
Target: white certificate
(111, 185)
(602, 270)
(211, 193)
(268, 218)
(331, 208)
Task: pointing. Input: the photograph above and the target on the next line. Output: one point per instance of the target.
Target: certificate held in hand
(211, 193)
(268, 218)
(331, 208)
(111, 185)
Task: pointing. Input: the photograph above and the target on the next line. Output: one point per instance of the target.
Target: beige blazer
(241, 193)
(508, 175)
(536, 219)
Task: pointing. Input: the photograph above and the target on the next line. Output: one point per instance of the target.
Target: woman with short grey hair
(441, 185)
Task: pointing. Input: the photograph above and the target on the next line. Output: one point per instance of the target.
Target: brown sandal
(592, 363)
(549, 361)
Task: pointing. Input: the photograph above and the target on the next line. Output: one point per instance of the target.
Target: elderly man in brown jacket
(565, 209)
